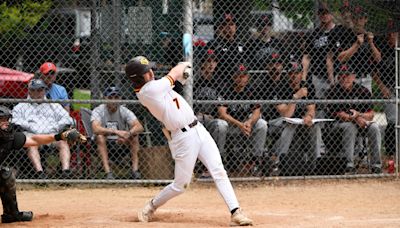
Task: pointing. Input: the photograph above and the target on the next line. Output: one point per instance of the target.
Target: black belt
(194, 123)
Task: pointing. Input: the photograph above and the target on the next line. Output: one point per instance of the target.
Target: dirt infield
(344, 203)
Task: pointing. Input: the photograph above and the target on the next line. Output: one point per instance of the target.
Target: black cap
(294, 67)
(345, 70)
(263, 21)
(226, 19)
(138, 66)
(111, 91)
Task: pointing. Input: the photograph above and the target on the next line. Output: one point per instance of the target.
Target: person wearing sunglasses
(48, 73)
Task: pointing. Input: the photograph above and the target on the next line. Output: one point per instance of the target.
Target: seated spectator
(204, 89)
(353, 119)
(43, 118)
(112, 122)
(243, 119)
(55, 91)
(311, 143)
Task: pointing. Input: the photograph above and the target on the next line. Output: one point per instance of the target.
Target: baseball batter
(189, 139)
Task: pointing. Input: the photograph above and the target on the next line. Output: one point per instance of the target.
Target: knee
(180, 187)
(218, 173)
(8, 177)
(374, 129)
(261, 125)
(222, 126)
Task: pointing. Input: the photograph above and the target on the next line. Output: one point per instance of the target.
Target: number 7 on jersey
(176, 102)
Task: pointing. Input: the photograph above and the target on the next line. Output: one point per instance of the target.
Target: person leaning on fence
(362, 52)
(311, 143)
(353, 119)
(113, 123)
(244, 120)
(43, 118)
(10, 140)
(48, 73)
(205, 89)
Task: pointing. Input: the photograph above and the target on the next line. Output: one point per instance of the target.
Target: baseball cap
(47, 67)
(225, 19)
(345, 70)
(138, 66)
(241, 70)
(111, 91)
(359, 12)
(209, 55)
(294, 67)
(37, 84)
(263, 21)
(322, 9)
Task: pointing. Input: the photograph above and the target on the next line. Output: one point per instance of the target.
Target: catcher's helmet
(5, 112)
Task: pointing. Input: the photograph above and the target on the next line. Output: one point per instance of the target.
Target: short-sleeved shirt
(240, 112)
(205, 90)
(57, 92)
(358, 92)
(8, 145)
(317, 46)
(269, 91)
(286, 93)
(118, 120)
(258, 52)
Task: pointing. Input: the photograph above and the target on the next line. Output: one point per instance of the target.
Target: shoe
(205, 175)
(110, 176)
(350, 170)
(66, 174)
(40, 175)
(146, 214)
(23, 216)
(239, 219)
(136, 175)
(376, 170)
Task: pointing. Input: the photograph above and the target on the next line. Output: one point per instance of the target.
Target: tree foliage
(17, 17)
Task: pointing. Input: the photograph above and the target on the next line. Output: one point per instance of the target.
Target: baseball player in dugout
(10, 140)
(188, 139)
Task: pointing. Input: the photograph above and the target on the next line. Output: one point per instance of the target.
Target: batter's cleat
(146, 214)
(239, 219)
(22, 216)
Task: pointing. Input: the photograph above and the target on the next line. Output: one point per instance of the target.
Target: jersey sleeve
(96, 114)
(127, 114)
(158, 88)
(19, 141)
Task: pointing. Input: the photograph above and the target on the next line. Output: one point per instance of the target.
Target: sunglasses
(50, 73)
(37, 90)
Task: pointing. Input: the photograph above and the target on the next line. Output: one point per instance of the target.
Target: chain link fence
(286, 88)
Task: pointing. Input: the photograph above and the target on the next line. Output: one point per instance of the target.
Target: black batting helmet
(136, 68)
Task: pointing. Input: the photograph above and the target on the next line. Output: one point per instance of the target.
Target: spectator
(384, 76)
(227, 48)
(113, 123)
(204, 89)
(354, 118)
(311, 143)
(318, 59)
(55, 91)
(262, 45)
(43, 118)
(363, 52)
(243, 119)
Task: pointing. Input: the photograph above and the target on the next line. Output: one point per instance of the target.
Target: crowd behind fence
(286, 88)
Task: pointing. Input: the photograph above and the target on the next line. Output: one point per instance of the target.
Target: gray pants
(220, 129)
(313, 134)
(349, 133)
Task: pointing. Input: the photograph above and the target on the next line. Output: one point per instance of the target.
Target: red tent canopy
(13, 83)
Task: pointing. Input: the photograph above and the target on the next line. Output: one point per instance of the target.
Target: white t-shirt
(165, 104)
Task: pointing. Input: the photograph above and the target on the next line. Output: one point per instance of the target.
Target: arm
(347, 54)
(223, 114)
(329, 67)
(36, 140)
(309, 116)
(19, 117)
(63, 117)
(136, 128)
(176, 73)
(376, 54)
(382, 87)
(306, 64)
(254, 117)
(99, 130)
(286, 110)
